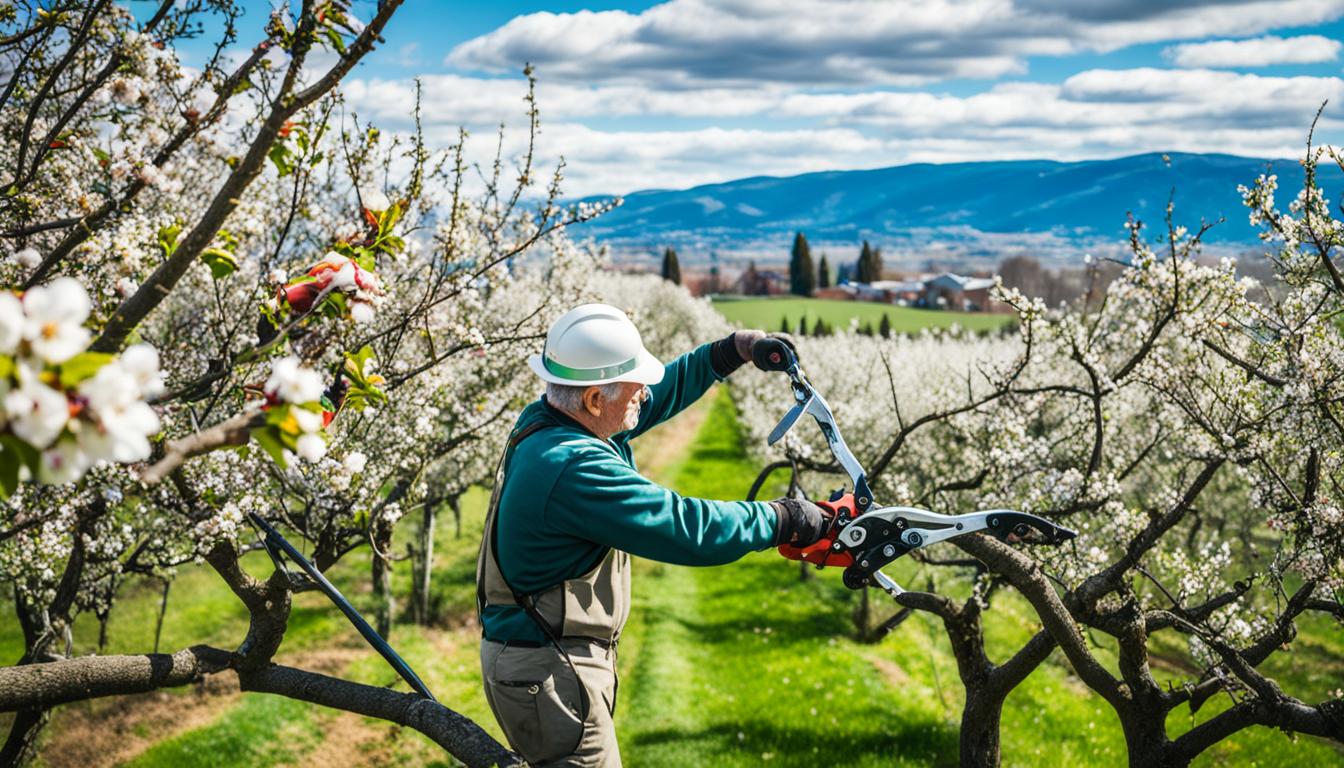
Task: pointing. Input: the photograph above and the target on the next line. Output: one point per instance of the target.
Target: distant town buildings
(944, 291)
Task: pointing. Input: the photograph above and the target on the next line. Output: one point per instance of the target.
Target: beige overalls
(540, 694)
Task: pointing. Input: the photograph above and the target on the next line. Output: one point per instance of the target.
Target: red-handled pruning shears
(863, 538)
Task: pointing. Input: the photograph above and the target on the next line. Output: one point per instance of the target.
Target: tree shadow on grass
(920, 741)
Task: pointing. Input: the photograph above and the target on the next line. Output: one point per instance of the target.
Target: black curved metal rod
(272, 539)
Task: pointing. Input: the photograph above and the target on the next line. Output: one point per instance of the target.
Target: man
(569, 507)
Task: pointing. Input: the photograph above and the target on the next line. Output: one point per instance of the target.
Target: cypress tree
(875, 264)
(784, 324)
(819, 327)
(802, 275)
(823, 273)
(884, 327)
(671, 267)
(863, 270)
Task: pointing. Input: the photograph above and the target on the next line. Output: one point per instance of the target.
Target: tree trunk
(1146, 741)
(863, 616)
(163, 609)
(21, 746)
(424, 563)
(382, 583)
(980, 729)
(455, 503)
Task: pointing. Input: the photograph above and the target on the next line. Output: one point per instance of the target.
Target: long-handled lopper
(862, 537)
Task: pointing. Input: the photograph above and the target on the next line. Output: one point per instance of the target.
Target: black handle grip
(772, 355)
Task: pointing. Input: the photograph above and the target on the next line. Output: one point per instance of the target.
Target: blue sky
(686, 92)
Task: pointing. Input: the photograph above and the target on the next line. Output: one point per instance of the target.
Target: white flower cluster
(75, 410)
(299, 389)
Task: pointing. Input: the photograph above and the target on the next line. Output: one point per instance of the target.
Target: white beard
(631, 417)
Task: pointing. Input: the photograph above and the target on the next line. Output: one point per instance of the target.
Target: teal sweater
(569, 496)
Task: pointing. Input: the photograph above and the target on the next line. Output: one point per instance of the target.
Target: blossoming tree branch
(223, 296)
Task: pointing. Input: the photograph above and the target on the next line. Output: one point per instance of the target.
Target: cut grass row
(773, 312)
(735, 665)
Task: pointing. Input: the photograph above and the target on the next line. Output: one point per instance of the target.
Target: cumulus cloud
(1093, 114)
(739, 43)
(1258, 52)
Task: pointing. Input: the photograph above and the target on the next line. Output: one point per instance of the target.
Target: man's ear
(592, 400)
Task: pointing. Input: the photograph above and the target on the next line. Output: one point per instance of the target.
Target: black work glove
(801, 523)
(732, 351)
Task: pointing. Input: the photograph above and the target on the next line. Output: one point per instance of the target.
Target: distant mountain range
(958, 211)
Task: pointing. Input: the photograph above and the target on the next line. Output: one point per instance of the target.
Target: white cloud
(454, 99)
(1094, 114)
(1258, 52)
(742, 43)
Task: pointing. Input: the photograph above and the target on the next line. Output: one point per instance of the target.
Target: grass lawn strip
(767, 313)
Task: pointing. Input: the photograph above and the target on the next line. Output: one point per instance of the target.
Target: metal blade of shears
(821, 412)
(786, 423)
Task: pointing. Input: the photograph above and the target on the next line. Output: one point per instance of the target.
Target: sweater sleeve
(600, 498)
(685, 379)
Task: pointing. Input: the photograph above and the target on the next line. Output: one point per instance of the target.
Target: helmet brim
(648, 371)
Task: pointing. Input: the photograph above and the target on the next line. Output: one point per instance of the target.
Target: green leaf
(10, 463)
(221, 262)
(389, 218)
(276, 415)
(102, 155)
(335, 305)
(6, 366)
(279, 156)
(15, 454)
(168, 239)
(82, 366)
(267, 438)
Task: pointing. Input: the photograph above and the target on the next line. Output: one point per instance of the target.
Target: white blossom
(55, 315)
(290, 382)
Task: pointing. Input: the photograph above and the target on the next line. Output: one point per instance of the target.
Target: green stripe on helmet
(589, 374)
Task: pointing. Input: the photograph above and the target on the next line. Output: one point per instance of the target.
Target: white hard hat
(595, 344)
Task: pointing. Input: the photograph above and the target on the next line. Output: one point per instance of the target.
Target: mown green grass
(771, 313)
(743, 664)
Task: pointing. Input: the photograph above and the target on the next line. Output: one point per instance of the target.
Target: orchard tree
(1190, 434)
(234, 301)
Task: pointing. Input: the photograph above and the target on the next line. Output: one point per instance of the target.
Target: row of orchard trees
(1193, 436)
(226, 298)
(223, 296)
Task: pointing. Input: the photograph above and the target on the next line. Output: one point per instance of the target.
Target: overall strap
(491, 550)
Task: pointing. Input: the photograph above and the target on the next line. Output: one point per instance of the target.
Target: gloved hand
(745, 340)
(801, 523)
(731, 352)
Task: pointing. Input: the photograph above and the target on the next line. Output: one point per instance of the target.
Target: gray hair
(569, 398)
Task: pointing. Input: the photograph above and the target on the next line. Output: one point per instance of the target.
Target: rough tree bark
(39, 686)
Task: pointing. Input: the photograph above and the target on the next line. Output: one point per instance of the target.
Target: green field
(770, 313)
(737, 665)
